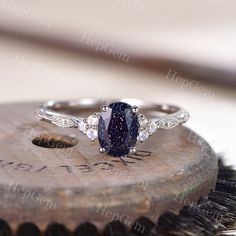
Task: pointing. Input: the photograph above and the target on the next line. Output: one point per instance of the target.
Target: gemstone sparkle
(118, 129)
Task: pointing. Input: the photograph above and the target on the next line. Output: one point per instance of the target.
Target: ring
(118, 126)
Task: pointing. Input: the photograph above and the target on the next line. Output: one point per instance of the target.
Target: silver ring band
(50, 110)
(161, 116)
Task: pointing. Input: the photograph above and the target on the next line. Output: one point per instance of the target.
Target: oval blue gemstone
(118, 129)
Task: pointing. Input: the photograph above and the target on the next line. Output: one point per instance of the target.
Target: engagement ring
(118, 125)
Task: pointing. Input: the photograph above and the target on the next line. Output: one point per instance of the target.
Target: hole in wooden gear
(54, 141)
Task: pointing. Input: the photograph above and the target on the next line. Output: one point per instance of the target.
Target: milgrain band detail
(124, 113)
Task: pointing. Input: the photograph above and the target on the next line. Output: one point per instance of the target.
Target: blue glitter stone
(118, 129)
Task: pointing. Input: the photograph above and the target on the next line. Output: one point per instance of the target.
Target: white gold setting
(147, 128)
(89, 126)
(63, 122)
(173, 116)
(132, 150)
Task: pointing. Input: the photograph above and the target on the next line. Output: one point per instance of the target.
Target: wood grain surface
(50, 174)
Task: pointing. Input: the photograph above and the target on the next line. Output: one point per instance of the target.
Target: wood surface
(50, 174)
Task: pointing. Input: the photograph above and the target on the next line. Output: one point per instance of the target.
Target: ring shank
(171, 115)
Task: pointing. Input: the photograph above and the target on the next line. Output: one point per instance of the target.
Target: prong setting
(133, 150)
(116, 121)
(118, 129)
(102, 150)
(105, 108)
(89, 126)
(135, 109)
(146, 129)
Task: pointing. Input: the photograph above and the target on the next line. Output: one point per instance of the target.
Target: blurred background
(181, 52)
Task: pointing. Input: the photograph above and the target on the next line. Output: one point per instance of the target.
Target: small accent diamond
(151, 127)
(83, 127)
(147, 128)
(93, 120)
(168, 123)
(39, 114)
(92, 134)
(143, 135)
(89, 126)
(143, 121)
(63, 122)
